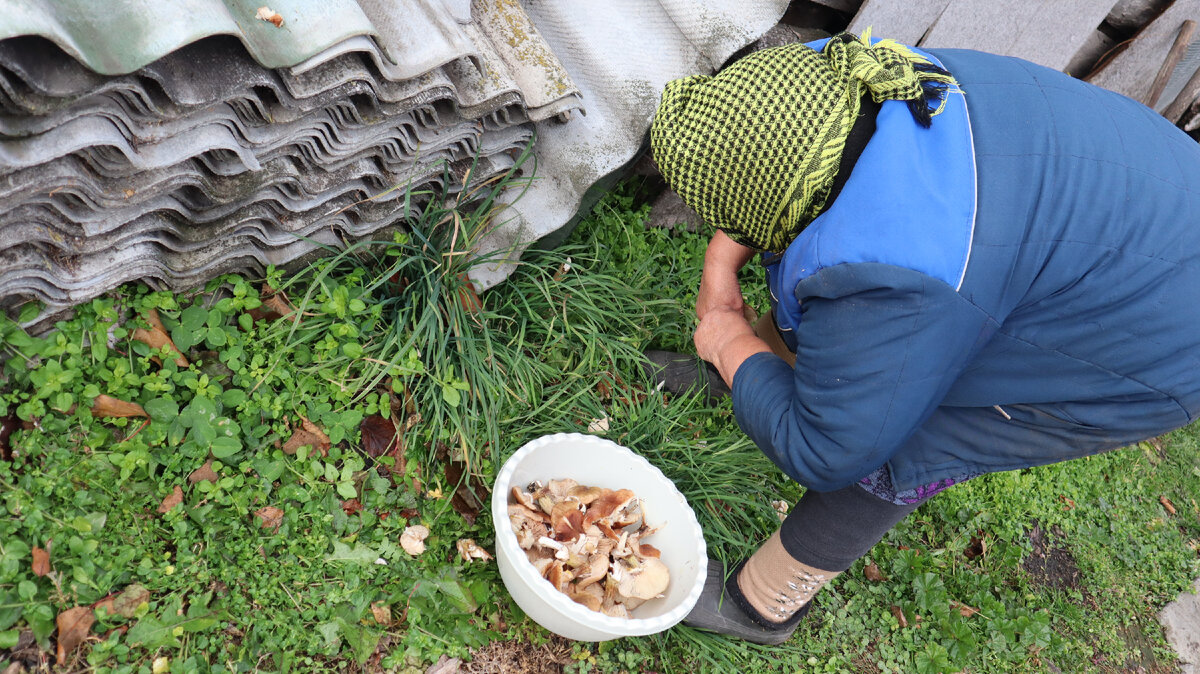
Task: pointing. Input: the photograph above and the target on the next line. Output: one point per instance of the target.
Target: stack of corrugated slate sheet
(173, 142)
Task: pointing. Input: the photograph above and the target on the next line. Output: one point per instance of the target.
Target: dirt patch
(503, 657)
(1140, 658)
(1050, 564)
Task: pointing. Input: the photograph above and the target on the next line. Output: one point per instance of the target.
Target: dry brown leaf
(156, 337)
(173, 499)
(379, 436)
(108, 407)
(382, 613)
(204, 473)
(467, 296)
(308, 434)
(275, 305)
(352, 506)
(963, 609)
(470, 493)
(73, 627)
(1166, 503)
(41, 561)
(270, 16)
(127, 603)
(977, 547)
(469, 550)
(413, 539)
(445, 665)
(271, 517)
(873, 574)
(598, 426)
(899, 613)
(8, 424)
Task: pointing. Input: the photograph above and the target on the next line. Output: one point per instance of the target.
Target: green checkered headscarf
(755, 149)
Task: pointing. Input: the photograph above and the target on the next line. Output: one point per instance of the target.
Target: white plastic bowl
(595, 461)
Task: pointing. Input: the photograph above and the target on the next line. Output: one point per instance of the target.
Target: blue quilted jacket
(1015, 286)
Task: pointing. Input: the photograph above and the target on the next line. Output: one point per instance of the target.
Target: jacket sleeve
(877, 349)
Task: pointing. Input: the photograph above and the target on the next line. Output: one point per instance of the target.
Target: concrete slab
(1181, 623)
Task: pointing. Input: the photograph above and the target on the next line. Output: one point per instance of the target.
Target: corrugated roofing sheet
(120, 36)
(175, 143)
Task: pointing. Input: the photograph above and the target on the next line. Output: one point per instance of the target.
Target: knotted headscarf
(755, 149)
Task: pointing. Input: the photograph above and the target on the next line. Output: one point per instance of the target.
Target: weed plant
(392, 329)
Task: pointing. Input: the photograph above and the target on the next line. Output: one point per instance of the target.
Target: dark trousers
(829, 530)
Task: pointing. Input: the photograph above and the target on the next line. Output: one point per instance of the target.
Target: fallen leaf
(108, 407)
(271, 517)
(266, 14)
(308, 434)
(127, 603)
(470, 493)
(445, 665)
(275, 305)
(469, 550)
(156, 337)
(977, 547)
(161, 665)
(73, 627)
(899, 613)
(8, 424)
(963, 609)
(873, 574)
(1166, 503)
(413, 539)
(1068, 504)
(173, 499)
(382, 613)
(41, 561)
(204, 473)
(380, 438)
(599, 426)
(352, 506)
(467, 297)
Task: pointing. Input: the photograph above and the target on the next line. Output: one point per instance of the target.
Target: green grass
(385, 333)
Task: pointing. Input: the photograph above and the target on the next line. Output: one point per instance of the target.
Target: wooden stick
(1173, 57)
(1184, 100)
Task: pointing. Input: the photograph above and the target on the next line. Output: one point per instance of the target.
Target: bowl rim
(505, 536)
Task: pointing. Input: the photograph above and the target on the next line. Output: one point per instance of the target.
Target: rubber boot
(680, 373)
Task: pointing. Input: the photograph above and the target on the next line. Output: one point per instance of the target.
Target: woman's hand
(726, 339)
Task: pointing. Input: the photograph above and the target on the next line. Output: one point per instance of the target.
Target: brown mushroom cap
(566, 520)
(606, 505)
(648, 582)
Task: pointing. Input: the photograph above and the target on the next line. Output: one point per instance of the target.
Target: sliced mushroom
(586, 495)
(560, 550)
(606, 505)
(647, 550)
(596, 570)
(566, 520)
(559, 576)
(524, 498)
(542, 565)
(561, 489)
(592, 600)
(649, 581)
(616, 611)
